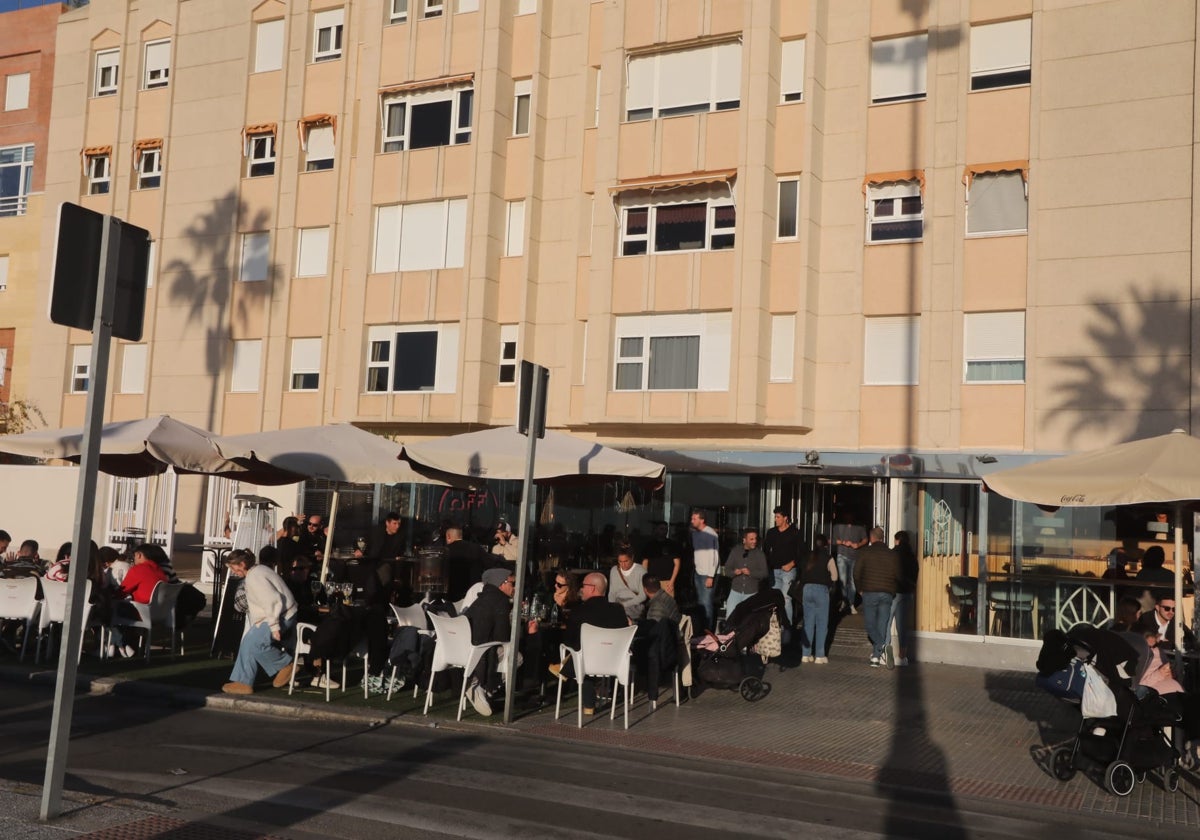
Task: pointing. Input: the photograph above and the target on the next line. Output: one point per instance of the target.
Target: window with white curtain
(397, 11)
(467, 6)
(675, 352)
(514, 238)
(898, 68)
(891, 355)
(312, 253)
(327, 34)
(895, 212)
(791, 72)
(412, 357)
(689, 81)
(423, 119)
(412, 237)
(247, 365)
(994, 347)
(1000, 54)
(522, 96)
(783, 348)
(508, 354)
(106, 75)
(997, 203)
(526, 7)
(16, 92)
(787, 216)
(81, 368)
(318, 147)
(268, 46)
(306, 364)
(156, 71)
(699, 218)
(133, 369)
(3, 272)
(256, 252)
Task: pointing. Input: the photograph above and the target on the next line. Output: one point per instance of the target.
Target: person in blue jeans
(271, 614)
(706, 557)
(817, 576)
(876, 573)
(784, 548)
(848, 538)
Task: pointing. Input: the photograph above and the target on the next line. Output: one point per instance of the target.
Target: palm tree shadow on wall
(1135, 380)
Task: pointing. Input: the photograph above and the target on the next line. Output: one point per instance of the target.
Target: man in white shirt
(706, 557)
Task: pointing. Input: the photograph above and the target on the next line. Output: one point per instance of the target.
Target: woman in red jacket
(138, 586)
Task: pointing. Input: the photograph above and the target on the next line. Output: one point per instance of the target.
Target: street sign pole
(72, 633)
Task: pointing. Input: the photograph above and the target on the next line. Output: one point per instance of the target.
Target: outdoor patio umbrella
(1164, 469)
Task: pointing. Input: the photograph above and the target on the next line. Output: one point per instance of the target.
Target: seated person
(25, 562)
(658, 636)
(594, 609)
(1161, 621)
(625, 584)
(138, 585)
(490, 616)
(372, 581)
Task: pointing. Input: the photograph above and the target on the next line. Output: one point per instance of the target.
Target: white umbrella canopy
(500, 454)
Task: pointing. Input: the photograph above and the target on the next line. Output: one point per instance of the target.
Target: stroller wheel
(1119, 778)
(1171, 779)
(1061, 765)
(753, 689)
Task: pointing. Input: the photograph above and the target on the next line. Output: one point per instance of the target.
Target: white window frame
(156, 72)
(397, 249)
(522, 107)
(398, 11)
(19, 157)
(81, 369)
(514, 229)
(981, 181)
(333, 22)
(320, 147)
(149, 168)
(990, 339)
(651, 81)
(783, 348)
(723, 237)
(714, 330)
(99, 174)
(433, 8)
(903, 80)
(892, 350)
(133, 369)
(305, 361)
(312, 252)
(106, 60)
(255, 263)
(4, 261)
(245, 371)
(260, 154)
(461, 98)
(509, 364)
(383, 337)
(1001, 54)
(269, 36)
(16, 91)
(151, 263)
(791, 71)
(891, 196)
(788, 189)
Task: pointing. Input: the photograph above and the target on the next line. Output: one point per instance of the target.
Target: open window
(327, 34)
(675, 352)
(97, 166)
(427, 114)
(666, 216)
(317, 132)
(412, 357)
(260, 150)
(148, 163)
(895, 207)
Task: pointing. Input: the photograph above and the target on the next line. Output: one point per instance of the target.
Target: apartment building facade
(826, 254)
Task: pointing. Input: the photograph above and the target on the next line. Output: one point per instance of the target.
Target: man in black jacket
(597, 610)
(490, 616)
(876, 573)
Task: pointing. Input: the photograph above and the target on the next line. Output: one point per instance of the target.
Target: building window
(16, 179)
(420, 357)
(433, 8)
(256, 253)
(514, 237)
(318, 146)
(892, 350)
(791, 72)
(427, 118)
(895, 212)
(99, 173)
(312, 255)
(260, 154)
(787, 215)
(997, 203)
(414, 237)
(1000, 54)
(596, 91)
(689, 221)
(898, 68)
(16, 92)
(106, 74)
(268, 46)
(149, 167)
(994, 347)
(468, 6)
(687, 81)
(685, 352)
(397, 11)
(247, 365)
(783, 348)
(306, 364)
(3, 272)
(81, 367)
(133, 369)
(157, 64)
(522, 94)
(526, 7)
(151, 264)
(327, 34)
(508, 354)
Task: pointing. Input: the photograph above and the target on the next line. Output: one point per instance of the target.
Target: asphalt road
(131, 760)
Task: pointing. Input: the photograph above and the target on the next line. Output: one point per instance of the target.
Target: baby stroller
(1128, 743)
(729, 660)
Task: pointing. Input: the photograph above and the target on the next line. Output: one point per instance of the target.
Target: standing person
(906, 593)
(464, 564)
(817, 577)
(848, 538)
(293, 561)
(706, 556)
(746, 565)
(271, 615)
(662, 557)
(385, 543)
(784, 548)
(876, 572)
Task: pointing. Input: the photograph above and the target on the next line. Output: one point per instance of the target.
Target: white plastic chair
(54, 611)
(19, 602)
(603, 652)
(684, 637)
(413, 616)
(304, 633)
(160, 610)
(453, 649)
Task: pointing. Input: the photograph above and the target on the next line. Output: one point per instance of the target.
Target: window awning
(155, 143)
(671, 46)
(973, 169)
(96, 151)
(899, 175)
(313, 120)
(428, 84)
(260, 128)
(671, 182)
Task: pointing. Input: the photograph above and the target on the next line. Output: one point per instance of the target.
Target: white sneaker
(479, 700)
(324, 681)
(807, 659)
(902, 661)
(126, 651)
(874, 661)
(853, 610)
(822, 660)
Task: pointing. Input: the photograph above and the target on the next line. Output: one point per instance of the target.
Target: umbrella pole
(1178, 640)
(329, 536)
